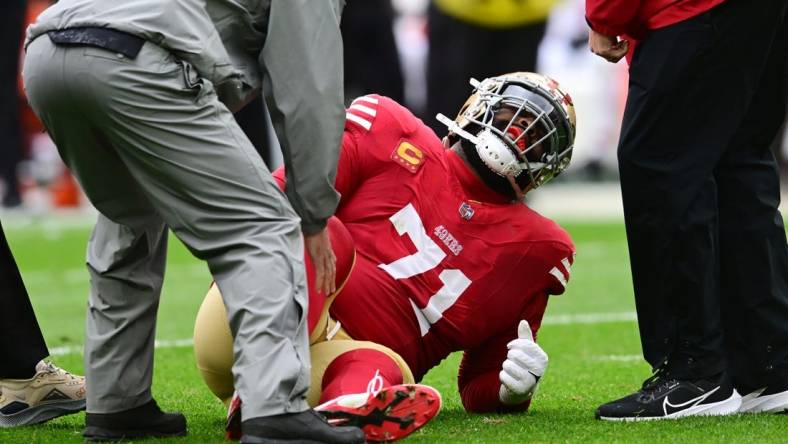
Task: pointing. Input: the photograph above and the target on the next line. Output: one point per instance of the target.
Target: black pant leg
(687, 96)
(12, 14)
(669, 197)
(21, 342)
(753, 250)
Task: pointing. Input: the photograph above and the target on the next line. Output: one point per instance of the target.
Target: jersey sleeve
(478, 379)
(557, 261)
(374, 125)
(548, 262)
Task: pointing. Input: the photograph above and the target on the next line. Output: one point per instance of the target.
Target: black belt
(106, 38)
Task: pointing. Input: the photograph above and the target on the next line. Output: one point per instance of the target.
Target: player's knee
(213, 345)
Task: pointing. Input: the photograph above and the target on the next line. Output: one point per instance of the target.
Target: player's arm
(304, 92)
(501, 375)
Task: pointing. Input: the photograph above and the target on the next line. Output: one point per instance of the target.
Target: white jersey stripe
(366, 124)
(367, 99)
(567, 265)
(559, 276)
(364, 109)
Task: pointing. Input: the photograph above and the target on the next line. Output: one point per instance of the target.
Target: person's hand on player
(319, 247)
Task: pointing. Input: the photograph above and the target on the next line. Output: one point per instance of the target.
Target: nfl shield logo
(466, 212)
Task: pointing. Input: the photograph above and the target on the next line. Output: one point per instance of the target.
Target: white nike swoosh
(688, 404)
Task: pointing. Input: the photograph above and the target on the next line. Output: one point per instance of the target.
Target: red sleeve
(556, 264)
(350, 170)
(373, 125)
(478, 376)
(612, 17)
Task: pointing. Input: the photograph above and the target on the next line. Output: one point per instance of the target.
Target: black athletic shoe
(664, 397)
(145, 421)
(303, 427)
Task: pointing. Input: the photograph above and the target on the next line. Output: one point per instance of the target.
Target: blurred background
(419, 52)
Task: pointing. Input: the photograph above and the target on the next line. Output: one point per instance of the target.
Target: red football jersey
(443, 263)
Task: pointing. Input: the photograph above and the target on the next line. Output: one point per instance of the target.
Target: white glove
(525, 363)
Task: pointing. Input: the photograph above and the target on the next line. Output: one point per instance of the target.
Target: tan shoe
(50, 393)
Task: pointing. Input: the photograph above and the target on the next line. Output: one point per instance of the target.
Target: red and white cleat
(233, 427)
(388, 414)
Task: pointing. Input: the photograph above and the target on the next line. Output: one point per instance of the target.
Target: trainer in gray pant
(154, 145)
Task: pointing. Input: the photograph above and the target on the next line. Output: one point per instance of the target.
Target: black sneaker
(303, 427)
(664, 397)
(145, 421)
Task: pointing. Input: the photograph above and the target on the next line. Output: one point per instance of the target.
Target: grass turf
(591, 361)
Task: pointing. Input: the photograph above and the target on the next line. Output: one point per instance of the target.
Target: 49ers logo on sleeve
(408, 156)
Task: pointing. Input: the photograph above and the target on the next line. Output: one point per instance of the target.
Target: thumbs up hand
(525, 363)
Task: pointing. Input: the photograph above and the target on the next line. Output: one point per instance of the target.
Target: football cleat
(233, 424)
(387, 414)
(50, 393)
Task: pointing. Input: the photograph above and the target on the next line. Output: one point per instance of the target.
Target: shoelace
(50, 368)
(375, 384)
(660, 377)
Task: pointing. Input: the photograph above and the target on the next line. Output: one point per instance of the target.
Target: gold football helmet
(520, 127)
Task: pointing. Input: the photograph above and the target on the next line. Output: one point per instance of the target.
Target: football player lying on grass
(436, 253)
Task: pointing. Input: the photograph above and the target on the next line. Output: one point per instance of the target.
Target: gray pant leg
(126, 251)
(193, 164)
(126, 267)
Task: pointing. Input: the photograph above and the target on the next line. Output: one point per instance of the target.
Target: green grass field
(589, 333)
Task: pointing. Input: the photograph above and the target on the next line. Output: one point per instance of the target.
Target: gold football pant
(214, 353)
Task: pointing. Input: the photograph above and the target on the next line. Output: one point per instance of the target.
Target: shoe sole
(394, 413)
(776, 403)
(725, 407)
(41, 413)
(100, 434)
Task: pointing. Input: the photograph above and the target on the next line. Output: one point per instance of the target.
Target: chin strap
(519, 193)
(453, 127)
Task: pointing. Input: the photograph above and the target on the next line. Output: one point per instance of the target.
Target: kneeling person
(447, 257)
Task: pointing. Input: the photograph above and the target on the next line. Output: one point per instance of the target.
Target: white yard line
(588, 318)
(618, 358)
(184, 343)
(79, 275)
(77, 349)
